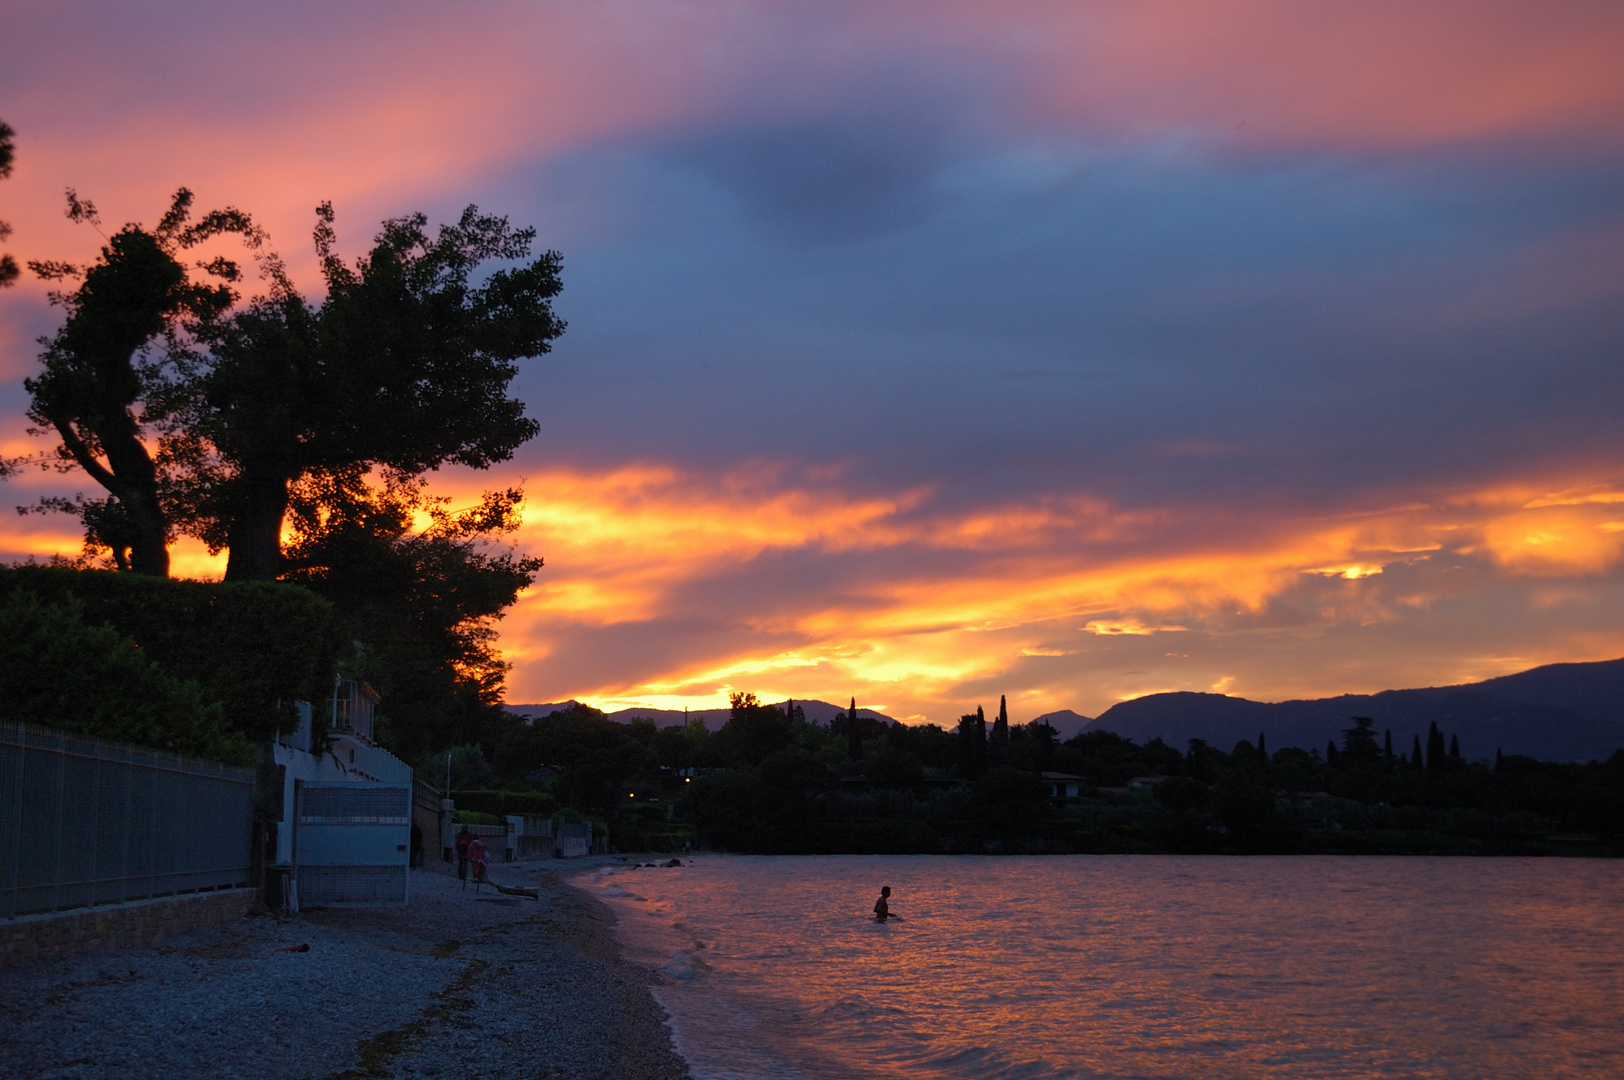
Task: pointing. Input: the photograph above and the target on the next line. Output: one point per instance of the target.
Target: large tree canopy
(405, 366)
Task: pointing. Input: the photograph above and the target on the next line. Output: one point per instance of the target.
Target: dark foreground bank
(456, 985)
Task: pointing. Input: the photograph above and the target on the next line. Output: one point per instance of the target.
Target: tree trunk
(255, 535)
(132, 478)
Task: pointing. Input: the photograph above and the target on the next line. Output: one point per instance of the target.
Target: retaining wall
(31, 938)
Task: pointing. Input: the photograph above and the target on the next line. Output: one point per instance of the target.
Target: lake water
(1141, 966)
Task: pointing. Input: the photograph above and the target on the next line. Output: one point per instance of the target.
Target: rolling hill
(1559, 712)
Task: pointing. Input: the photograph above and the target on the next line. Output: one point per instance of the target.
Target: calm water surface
(1080, 966)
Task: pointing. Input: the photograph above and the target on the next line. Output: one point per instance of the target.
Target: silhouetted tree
(1262, 747)
(1415, 752)
(1387, 745)
(981, 741)
(972, 746)
(1196, 757)
(404, 366)
(854, 734)
(424, 601)
(96, 389)
(1359, 741)
(753, 732)
(1046, 738)
(998, 748)
(1455, 760)
(1436, 753)
(1332, 755)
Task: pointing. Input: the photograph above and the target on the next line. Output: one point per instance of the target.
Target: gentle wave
(1077, 967)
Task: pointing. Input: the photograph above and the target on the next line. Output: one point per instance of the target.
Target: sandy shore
(455, 985)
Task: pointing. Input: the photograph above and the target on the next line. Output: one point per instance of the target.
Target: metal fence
(85, 822)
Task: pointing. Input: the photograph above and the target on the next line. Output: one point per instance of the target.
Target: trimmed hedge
(503, 803)
(57, 671)
(246, 644)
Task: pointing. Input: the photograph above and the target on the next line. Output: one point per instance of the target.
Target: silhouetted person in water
(882, 907)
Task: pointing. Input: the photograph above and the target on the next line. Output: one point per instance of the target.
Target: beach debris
(514, 890)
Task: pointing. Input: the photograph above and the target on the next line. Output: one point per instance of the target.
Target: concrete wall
(426, 812)
(32, 938)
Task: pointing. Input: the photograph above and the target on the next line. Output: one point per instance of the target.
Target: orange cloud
(918, 604)
(636, 547)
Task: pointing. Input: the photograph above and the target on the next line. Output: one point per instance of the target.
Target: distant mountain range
(818, 712)
(1559, 712)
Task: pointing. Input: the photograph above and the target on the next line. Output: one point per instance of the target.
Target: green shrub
(57, 671)
(474, 817)
(248, 645)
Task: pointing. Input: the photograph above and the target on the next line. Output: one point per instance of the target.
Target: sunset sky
(926, 352)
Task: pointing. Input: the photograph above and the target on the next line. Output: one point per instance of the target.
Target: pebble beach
(458, 984)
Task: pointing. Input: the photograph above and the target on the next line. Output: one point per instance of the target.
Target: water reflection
(1137, 967)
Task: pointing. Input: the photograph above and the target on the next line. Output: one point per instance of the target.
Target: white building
(345, 832)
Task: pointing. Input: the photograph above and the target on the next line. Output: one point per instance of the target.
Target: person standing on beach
(479, 856)
(882, 906)
(462, 854)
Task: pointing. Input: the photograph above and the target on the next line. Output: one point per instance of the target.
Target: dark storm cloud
(831, 180)
(1074, 314)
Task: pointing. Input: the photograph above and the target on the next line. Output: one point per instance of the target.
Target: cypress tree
(1332, 755)
(1454, 752)
(1415, 753)
(1499, 762)
(999, 750)
(854, 737)
(1387, 745)
(1435, 748)
(1262, 747)
(979, 743)
(1195, 758)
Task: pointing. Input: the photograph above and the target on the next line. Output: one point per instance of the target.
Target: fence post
(124, 846)
(293, 857)
(56, 833)
(17, 848)
(95, 828)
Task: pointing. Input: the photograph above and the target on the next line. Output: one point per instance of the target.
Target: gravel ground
(455, 985)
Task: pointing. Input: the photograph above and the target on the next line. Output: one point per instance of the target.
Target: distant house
(1146, 783)
(1063, 785)
(344, 834)
(574, 841)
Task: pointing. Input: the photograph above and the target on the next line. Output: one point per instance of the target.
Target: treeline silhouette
(769, 781)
